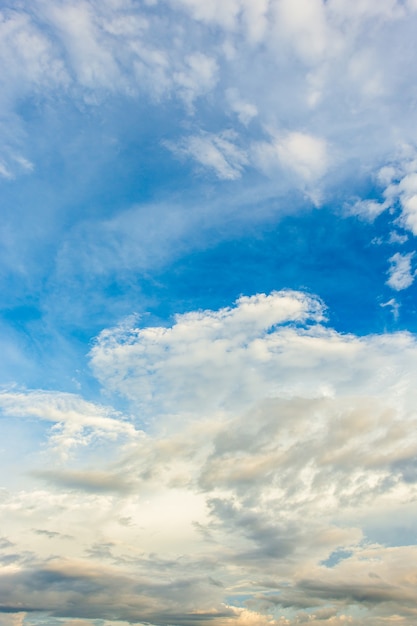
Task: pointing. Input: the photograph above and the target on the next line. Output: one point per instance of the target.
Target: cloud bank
(272, 481)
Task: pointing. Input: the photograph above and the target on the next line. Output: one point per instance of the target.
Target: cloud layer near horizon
(281, 488)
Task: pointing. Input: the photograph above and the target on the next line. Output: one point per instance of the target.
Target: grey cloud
(273, 444)
(269, 539)
(407, 467)
(88, 481)
(101, 550)
(51, 534)
(81, 591)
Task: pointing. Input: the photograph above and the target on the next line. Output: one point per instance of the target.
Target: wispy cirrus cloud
(216, 152)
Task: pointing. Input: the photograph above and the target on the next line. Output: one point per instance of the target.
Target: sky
(208, 312)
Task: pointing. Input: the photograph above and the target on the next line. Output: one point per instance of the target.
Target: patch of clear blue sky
(336, 556)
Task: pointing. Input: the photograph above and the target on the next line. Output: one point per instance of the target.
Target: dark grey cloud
(71, 590)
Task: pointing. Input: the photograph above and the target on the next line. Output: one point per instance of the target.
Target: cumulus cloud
(231, 358)
(222, 343)
(274, 448)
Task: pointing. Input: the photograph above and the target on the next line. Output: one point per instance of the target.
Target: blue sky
(208, 312)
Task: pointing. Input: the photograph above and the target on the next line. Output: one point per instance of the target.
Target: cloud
(400, 273)
(92, 481)
(230, 359)
(393, 305)
(198, 78)
(14, 619)
(233, 16)
(223, 13)
(244, 110)
(221, 343)
(396, 237)
(303, 155)
(369, 210)
(301, 152)
(76, 422)
(304, 25)
(68, 582)
(398, 182)
(216, 152)
(272, 443)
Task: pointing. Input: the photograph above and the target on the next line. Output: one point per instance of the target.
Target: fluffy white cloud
(207, 360)
(232, 358)
(305, 154)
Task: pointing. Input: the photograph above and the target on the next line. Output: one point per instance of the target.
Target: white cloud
(301, 152)
(244, 110)
(76, 422)
(368, 209)
(408, 198)
(5, 172)
(221, 12)
(398, 183)
(400, 273)
(396, 237)
(393, 305)
(399, 189)
(92, 62)
(197, 77)
(303, 24)
(216, 152)
(302, 155)
(211, 359)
